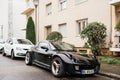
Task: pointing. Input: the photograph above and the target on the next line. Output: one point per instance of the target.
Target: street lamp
(36, 3)
(1, 31)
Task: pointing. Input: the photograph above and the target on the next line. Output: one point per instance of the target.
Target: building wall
(4, 17)
(19, 20)
(94, 10)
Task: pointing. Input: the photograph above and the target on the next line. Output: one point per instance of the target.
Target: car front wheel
(3, 52)
(57, 67)
(12, 54)
(28, 59)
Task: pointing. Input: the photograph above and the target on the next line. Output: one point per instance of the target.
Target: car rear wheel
(12, 54)
(28, 59)
(57, 67)
(3, 52)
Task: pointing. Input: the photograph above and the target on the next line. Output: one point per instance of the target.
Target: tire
(3, 52)
(12, 55)
(28, 59)
(57, 67)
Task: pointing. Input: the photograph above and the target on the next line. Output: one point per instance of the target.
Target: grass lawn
(109, 60)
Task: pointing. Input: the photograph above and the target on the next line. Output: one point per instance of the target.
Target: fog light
(76, 67)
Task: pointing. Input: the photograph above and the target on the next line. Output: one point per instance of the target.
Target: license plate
(87, 71)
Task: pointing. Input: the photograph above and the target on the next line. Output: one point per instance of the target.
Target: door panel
(42, 55)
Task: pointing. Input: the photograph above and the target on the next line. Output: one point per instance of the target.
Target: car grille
(87, 67)
(88, 64)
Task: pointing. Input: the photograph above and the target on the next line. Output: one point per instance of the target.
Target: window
(63, 4)
(80, 1)
(48, 30)
(62, 29)
(43, 44)
(81, 24)
(49, 8)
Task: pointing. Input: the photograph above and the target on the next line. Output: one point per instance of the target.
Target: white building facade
(11, 18)
(71, 16)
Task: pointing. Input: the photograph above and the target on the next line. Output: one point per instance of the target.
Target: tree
(30, 30)
(117, 27)
(55, 36)
(95, 33)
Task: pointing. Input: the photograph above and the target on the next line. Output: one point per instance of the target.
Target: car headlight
(76, 67)
(18, 48)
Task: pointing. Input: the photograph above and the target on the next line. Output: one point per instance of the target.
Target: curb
(110, 75)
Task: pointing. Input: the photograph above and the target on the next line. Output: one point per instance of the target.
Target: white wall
(19, 20)
(4, 17)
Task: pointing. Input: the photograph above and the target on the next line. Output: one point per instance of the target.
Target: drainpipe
(110, 25)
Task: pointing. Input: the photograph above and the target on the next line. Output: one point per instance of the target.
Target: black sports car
(62, 58)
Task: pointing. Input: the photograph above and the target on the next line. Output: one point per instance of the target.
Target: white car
(2, 42)
(16, 47)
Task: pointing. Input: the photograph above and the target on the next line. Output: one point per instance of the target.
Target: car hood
(78, 57)
(23, 46)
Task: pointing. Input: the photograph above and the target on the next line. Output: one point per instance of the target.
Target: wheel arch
(64, 58)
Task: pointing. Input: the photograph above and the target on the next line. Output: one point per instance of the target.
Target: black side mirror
(11, 43)
(44, 47)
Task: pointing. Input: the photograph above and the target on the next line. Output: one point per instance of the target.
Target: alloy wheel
(27, 58)
(56, 67)
(12, 55)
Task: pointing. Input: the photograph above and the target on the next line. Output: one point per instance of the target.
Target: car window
(7, 41)
(43, 44)
(2, 42)
(23, 41)
(63, 46)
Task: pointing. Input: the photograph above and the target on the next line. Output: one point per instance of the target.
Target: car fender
(64, 58)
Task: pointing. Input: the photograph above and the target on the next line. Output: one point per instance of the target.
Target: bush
(55, 36)
(95, 33)
(30, 30)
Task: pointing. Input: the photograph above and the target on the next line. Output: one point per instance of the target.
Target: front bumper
(21, 53)
(81, 69)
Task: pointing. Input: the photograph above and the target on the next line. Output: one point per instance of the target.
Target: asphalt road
(17, 70)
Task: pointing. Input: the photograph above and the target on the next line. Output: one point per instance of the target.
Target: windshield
(63, 46)
(23, 41)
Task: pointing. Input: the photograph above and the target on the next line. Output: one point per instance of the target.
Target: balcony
(29, 8)
(115, 2)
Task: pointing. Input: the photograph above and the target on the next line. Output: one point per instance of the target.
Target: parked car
(62, 58)
(2, 42)
(16, 47)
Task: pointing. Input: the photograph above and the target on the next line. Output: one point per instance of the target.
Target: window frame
(49, 6)
(80, 24)
(63, 34)
(62, 4)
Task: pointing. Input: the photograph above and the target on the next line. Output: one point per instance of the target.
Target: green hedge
(30, 30)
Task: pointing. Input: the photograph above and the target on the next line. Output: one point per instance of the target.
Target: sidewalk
(111, 70)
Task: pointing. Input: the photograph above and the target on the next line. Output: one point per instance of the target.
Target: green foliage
(86, 45)
(95, 33)
(30, 30)
(117, 27)
(54, 36)
(109, 60)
